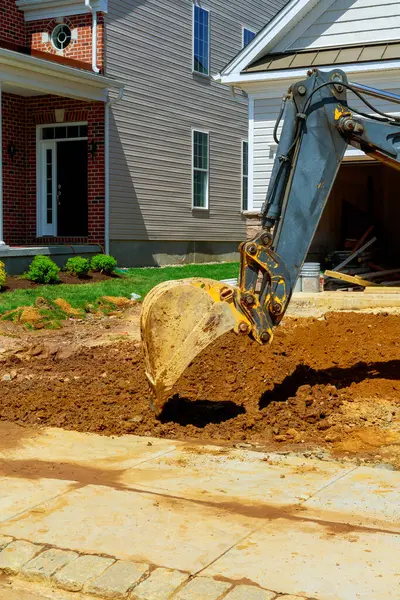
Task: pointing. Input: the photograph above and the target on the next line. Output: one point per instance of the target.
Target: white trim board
(44, 9)
(243, 79)
(47, 77)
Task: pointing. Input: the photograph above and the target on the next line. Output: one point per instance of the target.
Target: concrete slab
(224, 475)
(322, 561)
(367, 496)
(20, 494)
(75, 448)
(134, 525)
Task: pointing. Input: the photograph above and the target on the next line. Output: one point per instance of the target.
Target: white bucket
(310, 277)
(297, 287)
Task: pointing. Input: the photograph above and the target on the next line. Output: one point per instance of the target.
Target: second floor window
(248, 35)
(201, 40)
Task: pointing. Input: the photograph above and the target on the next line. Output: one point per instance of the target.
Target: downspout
(95, 68)
(107, 169)
(2, 244)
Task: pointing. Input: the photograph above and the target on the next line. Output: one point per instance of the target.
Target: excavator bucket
(179, 319)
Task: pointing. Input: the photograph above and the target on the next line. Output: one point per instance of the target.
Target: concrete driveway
(152, 519)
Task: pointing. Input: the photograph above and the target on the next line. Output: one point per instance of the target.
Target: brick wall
(79, 48)
(20, 118)
(14, 168)
(12, 25)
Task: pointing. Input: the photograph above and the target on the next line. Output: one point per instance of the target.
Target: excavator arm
(181, 318)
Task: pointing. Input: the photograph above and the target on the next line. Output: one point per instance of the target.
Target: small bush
(43, 270)
(103, 263)
(77, 266)
(3, 274)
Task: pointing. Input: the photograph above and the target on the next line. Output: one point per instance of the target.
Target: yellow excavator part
(179, 319)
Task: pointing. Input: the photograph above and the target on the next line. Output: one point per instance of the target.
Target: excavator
(181, 318)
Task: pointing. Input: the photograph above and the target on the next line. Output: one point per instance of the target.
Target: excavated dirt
(333, 381)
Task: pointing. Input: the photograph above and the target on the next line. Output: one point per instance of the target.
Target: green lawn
(139, 281)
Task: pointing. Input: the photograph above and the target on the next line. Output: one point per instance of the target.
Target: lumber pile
(355, 268)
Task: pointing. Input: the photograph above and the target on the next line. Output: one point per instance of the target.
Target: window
(200, 169)
(245, 175)
(248, 35)
(62, 132)
(61, 36)
(201, 45)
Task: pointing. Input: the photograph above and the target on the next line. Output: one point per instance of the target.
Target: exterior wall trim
(53, 78)
(40, 232)
(250, 200)
(44, 9)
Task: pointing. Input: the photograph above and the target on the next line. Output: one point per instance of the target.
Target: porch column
(2, 244)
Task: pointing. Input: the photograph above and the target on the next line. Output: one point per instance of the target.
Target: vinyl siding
(149, 48)
(266, 111)
(352, 22)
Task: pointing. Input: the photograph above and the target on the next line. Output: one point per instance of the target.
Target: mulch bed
(16, 282)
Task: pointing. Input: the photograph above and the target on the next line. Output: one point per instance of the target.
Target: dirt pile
(321, 381)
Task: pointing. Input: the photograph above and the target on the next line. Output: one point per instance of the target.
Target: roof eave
(240, 79)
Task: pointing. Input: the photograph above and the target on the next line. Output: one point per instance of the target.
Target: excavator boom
(180, 318)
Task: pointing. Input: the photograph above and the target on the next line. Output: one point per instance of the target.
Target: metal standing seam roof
(328, 56)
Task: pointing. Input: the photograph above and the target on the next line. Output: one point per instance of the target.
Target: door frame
(42, 228)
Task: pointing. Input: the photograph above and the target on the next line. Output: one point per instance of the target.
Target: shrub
(77, 266)
(43, 270)
(3, 274)
(103, 263)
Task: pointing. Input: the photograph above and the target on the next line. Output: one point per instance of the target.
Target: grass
(139, 281)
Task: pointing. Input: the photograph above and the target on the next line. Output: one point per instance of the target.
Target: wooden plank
(382, 290)
(351, 279)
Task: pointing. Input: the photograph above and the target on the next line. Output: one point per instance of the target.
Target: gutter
(109, 104)
(95, 68)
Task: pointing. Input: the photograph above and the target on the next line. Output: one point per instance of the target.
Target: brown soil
(332, 382)
(16, 282)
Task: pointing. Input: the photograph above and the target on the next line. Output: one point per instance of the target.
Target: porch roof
(29, 75)
(326, 56)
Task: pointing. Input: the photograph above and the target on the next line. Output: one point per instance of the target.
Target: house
(178, 138)
(362, 37)
(54, 104)
(114, 134)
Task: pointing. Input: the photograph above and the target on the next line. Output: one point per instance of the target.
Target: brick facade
(20, 118)
(21, 115)
(39, 32)
(12, 25)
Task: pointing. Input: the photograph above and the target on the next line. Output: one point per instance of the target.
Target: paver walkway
(151, 519)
